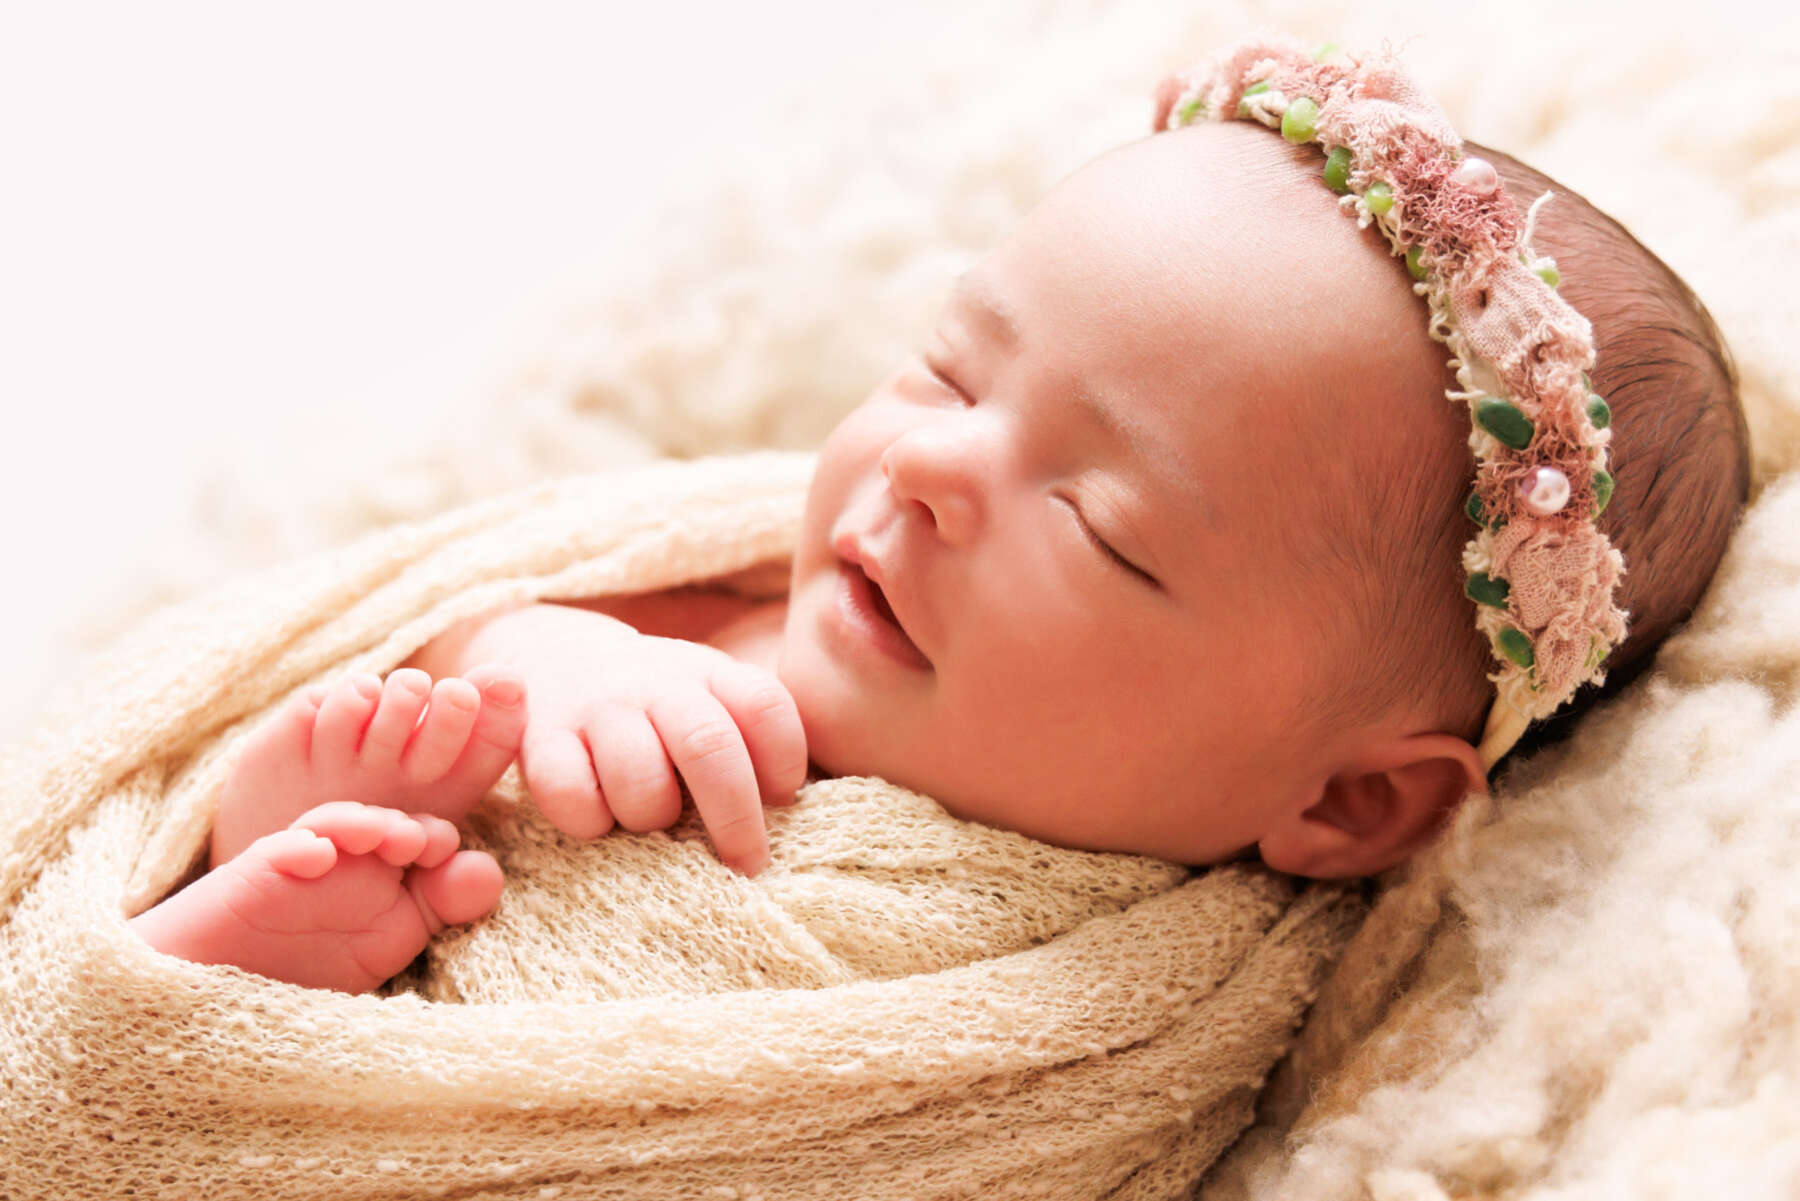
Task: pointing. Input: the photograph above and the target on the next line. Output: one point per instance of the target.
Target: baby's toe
(441, 840)
(461, 889)
(404, 841)
(494, 739)
(357, 829)
(301, 713)
(441, 737)
(342, 717)
(286, 742)
(403, 698)
(296, 852)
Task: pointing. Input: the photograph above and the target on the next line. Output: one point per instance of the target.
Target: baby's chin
(834, 746)
(844, 740)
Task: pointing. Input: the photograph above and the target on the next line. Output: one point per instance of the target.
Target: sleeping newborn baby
(1153, 547)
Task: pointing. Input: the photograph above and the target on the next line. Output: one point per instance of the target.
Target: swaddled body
(899, 1001)
(1083, 569)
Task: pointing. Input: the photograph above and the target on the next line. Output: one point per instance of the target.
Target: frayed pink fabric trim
(1512, 336)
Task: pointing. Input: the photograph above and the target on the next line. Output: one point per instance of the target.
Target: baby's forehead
(1214, 259)
(1223, 239)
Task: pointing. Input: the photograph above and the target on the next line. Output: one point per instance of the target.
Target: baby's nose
(934, 467)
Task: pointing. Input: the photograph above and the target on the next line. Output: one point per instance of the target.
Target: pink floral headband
(1540, 572)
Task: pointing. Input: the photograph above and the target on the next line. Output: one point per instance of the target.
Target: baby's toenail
(367, 687)
(465, 697)
(505, 693)
(414, 682)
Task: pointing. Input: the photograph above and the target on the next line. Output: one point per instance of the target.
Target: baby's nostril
(924, 511)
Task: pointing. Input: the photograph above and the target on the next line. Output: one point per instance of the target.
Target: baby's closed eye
(1104, 546)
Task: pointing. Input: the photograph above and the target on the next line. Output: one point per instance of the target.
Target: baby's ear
(1377, 809)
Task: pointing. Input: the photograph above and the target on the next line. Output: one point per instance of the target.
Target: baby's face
(1054, 571)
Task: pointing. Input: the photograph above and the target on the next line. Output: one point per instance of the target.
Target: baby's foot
(362, 740)
(344, 898)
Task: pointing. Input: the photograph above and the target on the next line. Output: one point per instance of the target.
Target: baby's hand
(613, 716)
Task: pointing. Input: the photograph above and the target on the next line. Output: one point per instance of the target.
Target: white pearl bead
(1477, 174)
(1545, 491)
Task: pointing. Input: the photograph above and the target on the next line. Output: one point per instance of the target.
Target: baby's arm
(617, 721)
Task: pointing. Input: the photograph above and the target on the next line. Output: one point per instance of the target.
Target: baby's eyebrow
(1000, 317)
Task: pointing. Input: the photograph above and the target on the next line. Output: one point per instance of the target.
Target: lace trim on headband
(1540, 572)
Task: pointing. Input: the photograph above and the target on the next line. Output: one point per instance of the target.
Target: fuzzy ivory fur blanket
(902, 1004)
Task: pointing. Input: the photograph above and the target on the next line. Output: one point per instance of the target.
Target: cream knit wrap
(901, 1005)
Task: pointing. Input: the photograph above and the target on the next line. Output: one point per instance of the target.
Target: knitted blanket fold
(901, 1005)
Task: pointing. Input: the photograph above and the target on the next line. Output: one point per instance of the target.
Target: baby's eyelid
(1106, 547)
(943, 377)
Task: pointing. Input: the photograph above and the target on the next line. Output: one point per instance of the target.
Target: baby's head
(1169, 513)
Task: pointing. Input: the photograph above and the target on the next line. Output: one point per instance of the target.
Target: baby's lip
(878, 567)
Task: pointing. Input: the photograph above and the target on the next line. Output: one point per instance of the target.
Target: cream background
(225, 226)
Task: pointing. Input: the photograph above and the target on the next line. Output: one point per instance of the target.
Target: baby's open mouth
(882, 608)
(877, 617)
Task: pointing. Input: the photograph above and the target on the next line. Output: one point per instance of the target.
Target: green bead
(1603, 490)
(1486, 589)
(1379, 197)
(1546, 271)
(1187, 112)
(1297, 124)
(1504, 421)
(1337, 170)
(1515, 646)
(1599, 412)
(1414, 265)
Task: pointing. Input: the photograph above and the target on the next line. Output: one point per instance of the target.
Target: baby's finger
(770, 724)
(559, 772)
(636, 778)
(709, 753)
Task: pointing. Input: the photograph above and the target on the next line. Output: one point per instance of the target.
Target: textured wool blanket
(902, 1004)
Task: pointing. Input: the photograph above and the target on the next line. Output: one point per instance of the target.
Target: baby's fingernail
(754, 864)
(505, 693)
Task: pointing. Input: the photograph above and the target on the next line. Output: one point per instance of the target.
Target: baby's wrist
(500, 637)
